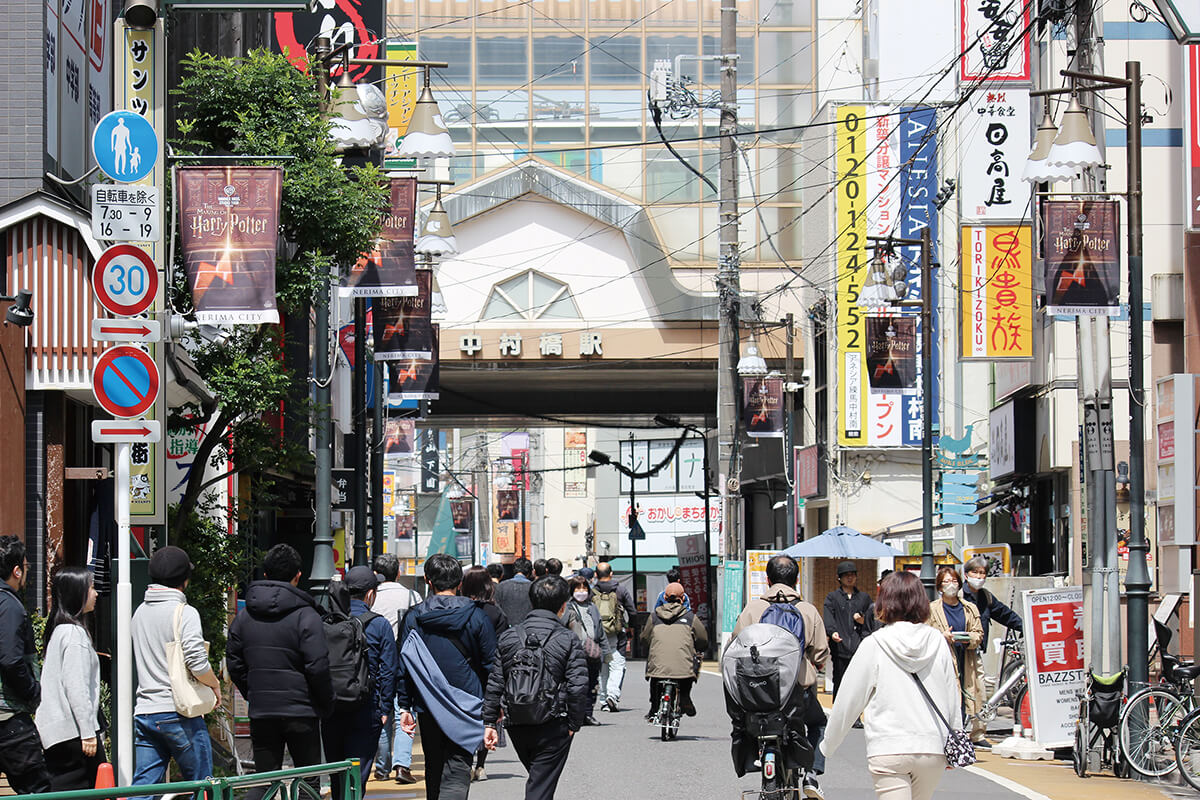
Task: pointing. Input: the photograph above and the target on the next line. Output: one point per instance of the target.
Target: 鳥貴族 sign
(996, 292)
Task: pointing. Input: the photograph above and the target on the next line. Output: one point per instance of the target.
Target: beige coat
(674, 636)
(972, 681)
(816, 646)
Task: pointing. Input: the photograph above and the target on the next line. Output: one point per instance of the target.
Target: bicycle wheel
(666, 707)
(1187, 749)
(1079, 752)
(1148, 726)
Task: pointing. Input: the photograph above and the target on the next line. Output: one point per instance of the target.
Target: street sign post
(126, 330)
(125, 146)
(125, 280)
(126, 431)
(126, 213)
(125, 381)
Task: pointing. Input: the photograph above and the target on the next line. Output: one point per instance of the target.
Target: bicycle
(1152, 718)
(1012, 661)
(1097, 744)
(779, 781)
(669, 712)
(1012, 683)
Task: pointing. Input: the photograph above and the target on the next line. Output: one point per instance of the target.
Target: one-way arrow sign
(126, 330)
(106, 431)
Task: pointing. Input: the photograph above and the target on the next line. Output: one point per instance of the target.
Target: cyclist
(782, 575)
(673, 635)
(990, 608)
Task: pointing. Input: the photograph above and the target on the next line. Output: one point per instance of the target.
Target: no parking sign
(125, 381)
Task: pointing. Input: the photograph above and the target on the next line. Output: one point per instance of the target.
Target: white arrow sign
(126, 330)
(110, 431)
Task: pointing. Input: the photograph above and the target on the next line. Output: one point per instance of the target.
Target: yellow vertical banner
(851, 219)
(996, 292)
(402, 87)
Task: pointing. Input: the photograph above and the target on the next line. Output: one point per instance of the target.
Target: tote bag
(192, 698)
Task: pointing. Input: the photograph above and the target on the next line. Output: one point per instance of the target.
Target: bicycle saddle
(1186, 671)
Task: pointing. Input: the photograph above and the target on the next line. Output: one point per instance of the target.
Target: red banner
(390, 270)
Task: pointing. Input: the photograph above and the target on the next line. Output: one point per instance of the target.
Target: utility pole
(322, 569)
(729, 291)
(789, 411)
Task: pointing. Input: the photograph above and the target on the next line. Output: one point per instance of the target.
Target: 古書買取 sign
(1055, 661)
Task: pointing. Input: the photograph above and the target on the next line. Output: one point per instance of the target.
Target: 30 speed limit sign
(125, 280)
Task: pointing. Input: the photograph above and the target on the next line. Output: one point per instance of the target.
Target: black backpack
(349, 658)
(530, 695)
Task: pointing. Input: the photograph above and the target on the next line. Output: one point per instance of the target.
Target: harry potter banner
(892, 354)
(462, 515)
(763, 407)
(399, 437)
(229, 225)
(390, 270)
(414, 378)
(402, 325)
(1083, 262)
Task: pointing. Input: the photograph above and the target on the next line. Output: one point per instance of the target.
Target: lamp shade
(1075, 145)
(1036, 168)
(427, 135)
(877, 291)
(751, 364)
(437, 235)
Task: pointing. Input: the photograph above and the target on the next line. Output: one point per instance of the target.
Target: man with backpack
(673, 636)
(279, 661)
(363, 662)
(447, 647)
(616, 608)
(392, 602)
(782, 605)
(540, 678)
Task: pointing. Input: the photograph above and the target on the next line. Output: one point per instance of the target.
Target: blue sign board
(125, 146)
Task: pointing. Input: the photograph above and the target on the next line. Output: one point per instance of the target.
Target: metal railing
(283, 784)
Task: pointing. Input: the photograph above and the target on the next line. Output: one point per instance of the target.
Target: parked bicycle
(1152, 719)
(1012, 687)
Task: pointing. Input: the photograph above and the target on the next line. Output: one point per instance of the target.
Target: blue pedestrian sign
(125, 146)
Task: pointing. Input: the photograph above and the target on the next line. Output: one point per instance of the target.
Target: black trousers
(69, 768)
(685, 692)
(593, 668)
(447, 766)
(543, 749)
(21, 757)
(352, 734)
(268, 737)
(839, 669)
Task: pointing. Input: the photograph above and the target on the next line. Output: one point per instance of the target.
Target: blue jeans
(160, 737)
(395, 746)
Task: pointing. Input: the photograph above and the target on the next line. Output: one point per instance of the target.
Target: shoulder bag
(192, 698)
(959, 750)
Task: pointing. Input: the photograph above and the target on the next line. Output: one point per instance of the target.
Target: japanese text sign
(995, 41)
(994, 136)
(996, 292)
(1055, 660)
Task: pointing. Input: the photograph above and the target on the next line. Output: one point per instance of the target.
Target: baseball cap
(361, 579)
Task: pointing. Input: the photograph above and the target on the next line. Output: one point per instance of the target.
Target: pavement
(623, 759)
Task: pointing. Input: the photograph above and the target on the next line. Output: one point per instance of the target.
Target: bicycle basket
(1104, 705)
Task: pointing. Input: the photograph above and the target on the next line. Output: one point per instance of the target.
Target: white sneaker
(480, 775)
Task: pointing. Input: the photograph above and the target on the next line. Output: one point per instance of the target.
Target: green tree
(261, 105)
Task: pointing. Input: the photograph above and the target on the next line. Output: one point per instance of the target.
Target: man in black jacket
(845, 617)
(542, 748)
(21, 756)
(462, 641)
(278, 659)
(512, 595)
(989, 606)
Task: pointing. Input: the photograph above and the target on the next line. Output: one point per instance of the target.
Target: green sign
(731, 605)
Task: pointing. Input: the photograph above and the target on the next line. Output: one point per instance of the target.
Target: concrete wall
(22, 124)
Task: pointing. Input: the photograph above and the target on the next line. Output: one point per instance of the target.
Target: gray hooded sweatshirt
(152, 629)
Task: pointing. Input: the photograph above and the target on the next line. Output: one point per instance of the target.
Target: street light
(1037, 167)
(437, 235)
(1075, 144)
(751, 364)
(427, 135)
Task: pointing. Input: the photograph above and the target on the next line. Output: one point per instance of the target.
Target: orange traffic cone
(104, 776)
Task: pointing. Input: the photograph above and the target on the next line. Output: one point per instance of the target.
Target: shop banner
(762, 407)
(431, 461)
(995, 140)
(887, 178)
(732, 580)
(996, 292)
(390, 270)
(414, 379)
(575, 450)
(462, 514)
(1055, 660)
(399, 436)
(229, 225)
(402, 87)
(402, 325)
(1192, 148)
(1083, 257)
(995, 41)
(892, 354)
(690, 550)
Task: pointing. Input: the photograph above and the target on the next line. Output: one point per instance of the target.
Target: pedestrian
(674, 575)
(160, 731)
(279, 661)
(905, 740)
(21, 757)
(783, 575)
(539, 568)
(460, 639)
(615, 604)
(845, 620)
(541, 731)
(588, 574)
(392, 602)
(512, 595)
(354, 732)
(989, 607)
(554, 566)
(958, 621)
(873, 624)
(477, 585)
(69, 719)
(673, 636)
(583, 619)
(496, 571)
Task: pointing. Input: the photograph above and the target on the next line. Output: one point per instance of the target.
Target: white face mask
(950, 589)
(580, 596)
(976, 583)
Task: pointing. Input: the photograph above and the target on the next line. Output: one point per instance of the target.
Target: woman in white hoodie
(905, 739)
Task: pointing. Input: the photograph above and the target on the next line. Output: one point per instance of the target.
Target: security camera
(20, 313)
(805, 377)
(141, 14)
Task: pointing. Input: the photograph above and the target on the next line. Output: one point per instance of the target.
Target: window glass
(616, 104)
(550, 104)
(784, 108)
(786, 12)
(502, 59)
(669, 181)
(455, 51)
(709, 72)
(615, 59)
(502, 13)
(510, 105)
(559, 59)
(785, 57)
(667, 46)
(680, 231)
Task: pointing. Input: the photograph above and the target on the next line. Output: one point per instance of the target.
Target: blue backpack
(786, 616)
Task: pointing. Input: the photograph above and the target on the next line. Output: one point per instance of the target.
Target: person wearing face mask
(990, 608)
(958, 620)
(583, 618)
